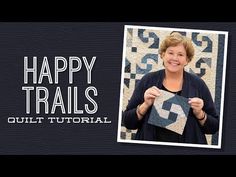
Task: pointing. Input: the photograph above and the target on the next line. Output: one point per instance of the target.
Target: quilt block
(170, 111)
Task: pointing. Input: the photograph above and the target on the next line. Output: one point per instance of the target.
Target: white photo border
(219, 145)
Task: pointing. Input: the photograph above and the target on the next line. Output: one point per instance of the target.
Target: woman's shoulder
(151, 78)
(194, 79)
(153, 75)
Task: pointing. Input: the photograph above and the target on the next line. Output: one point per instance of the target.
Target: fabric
(170, 111)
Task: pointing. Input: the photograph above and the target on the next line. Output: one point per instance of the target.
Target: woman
(176, 52)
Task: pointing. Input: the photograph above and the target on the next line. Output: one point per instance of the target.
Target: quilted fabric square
(170, 111)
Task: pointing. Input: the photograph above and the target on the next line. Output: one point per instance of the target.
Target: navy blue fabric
(193, 86)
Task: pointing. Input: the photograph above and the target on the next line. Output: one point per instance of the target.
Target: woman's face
(175, 58)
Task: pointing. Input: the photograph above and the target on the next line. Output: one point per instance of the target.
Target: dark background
(104, 40)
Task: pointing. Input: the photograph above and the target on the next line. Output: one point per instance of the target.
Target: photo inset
(172, 86)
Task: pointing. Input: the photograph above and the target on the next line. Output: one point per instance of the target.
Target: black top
(164, 88)
(193, 86)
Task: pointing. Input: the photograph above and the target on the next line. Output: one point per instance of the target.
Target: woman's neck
(173, 81)
(174, 75)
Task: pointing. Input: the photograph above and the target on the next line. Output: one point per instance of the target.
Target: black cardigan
(193, 86)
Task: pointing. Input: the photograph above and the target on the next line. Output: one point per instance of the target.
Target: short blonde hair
(175, 39)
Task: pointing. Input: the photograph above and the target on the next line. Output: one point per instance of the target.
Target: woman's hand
(150, 95)
(197, 104)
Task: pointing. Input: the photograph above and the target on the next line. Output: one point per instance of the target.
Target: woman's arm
(211, 122)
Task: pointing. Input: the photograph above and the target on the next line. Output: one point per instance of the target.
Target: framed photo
(141, 56)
